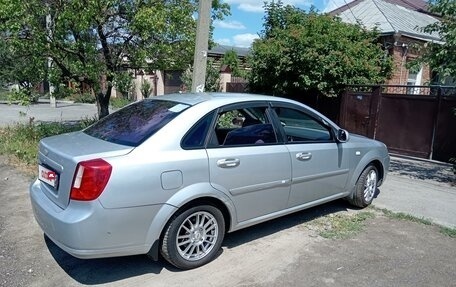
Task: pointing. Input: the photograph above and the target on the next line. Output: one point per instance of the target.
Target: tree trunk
(103, 102)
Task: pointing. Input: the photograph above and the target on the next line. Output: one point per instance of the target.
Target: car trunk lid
(60, 155)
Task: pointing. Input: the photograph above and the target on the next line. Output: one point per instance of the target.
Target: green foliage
(119, 102)
(124, 83)
(89, 40)
(186, 79)
(302, 51)
(85, 98)
(22, 140)
(19, 64)
(442, 57)
(339, 226)
(212, 83)
(212, 77)
(405, 216)
(231, 60)
(225, 121)
(23, 97)
(146, 88)
(451, 232)
(4, 94)
(63, 91)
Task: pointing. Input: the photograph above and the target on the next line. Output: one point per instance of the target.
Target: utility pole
(201, 46)
(52, 99)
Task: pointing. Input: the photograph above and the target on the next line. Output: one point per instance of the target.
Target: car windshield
(135, 123)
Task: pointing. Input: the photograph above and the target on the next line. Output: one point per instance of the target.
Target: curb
(412, 158)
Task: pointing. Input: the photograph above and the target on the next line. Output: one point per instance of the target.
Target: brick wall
(405, 50)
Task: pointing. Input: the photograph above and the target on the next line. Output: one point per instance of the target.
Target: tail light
(90, 179)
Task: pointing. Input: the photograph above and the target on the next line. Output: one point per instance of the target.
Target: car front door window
(300, 127)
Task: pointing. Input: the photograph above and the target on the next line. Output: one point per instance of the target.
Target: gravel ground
(283, 252)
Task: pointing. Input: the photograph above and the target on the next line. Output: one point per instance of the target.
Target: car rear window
(135, 123)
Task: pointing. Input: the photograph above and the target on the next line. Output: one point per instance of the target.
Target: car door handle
(228, 162)
(304, 156)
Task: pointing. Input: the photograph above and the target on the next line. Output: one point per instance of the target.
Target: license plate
(48, 176)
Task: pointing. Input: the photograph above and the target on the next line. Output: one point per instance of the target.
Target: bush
(23, 97)
(83, 98)
(22, 140)
(146, 88)
(124, 83)
(119, 102)
(62, 91)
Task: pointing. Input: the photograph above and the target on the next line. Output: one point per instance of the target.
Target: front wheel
(365, 187)
(193, 237)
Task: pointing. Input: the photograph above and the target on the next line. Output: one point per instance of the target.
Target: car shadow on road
(107, 270)
(423, 170)
(104, 270)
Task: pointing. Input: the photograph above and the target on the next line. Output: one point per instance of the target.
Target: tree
(20, 66)
(90, 41)
(124, 83)
(300, 52)
(212, 82)
(442, 57)
(146, 88)
(231, 60)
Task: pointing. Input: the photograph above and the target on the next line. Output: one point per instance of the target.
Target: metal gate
(411, 120)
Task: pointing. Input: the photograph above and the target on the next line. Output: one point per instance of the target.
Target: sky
(246, 20)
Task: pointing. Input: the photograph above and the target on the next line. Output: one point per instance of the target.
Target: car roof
(225, 98)
(215, 100)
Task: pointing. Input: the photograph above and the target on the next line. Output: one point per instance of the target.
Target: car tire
(365, 188)
(193, 237)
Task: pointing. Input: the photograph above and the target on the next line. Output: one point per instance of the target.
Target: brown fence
(237, 85)
(410, 120)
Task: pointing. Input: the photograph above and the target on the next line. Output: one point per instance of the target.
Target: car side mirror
(342, 136)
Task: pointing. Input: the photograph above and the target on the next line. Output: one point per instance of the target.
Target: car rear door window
(136, 122)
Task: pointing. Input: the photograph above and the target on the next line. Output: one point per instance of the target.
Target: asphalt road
(420, 188)
(43, 112)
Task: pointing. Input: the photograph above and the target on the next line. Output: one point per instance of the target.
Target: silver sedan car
(172, 174)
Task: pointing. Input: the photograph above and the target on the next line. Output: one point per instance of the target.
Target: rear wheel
(193, 237)
(365, 187)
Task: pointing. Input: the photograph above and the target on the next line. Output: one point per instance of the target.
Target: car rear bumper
(88, 230)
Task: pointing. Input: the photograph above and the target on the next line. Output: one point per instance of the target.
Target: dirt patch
(288, 251)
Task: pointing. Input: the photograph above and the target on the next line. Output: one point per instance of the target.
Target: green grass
(118, 103)
(407, 217)
(343, 226)
(451, 232)
(21, 141)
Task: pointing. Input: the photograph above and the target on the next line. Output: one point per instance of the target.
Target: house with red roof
(400, 23)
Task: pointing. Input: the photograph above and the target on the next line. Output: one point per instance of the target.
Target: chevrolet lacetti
(172, 174)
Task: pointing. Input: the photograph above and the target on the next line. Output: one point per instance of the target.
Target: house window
(414, 79)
